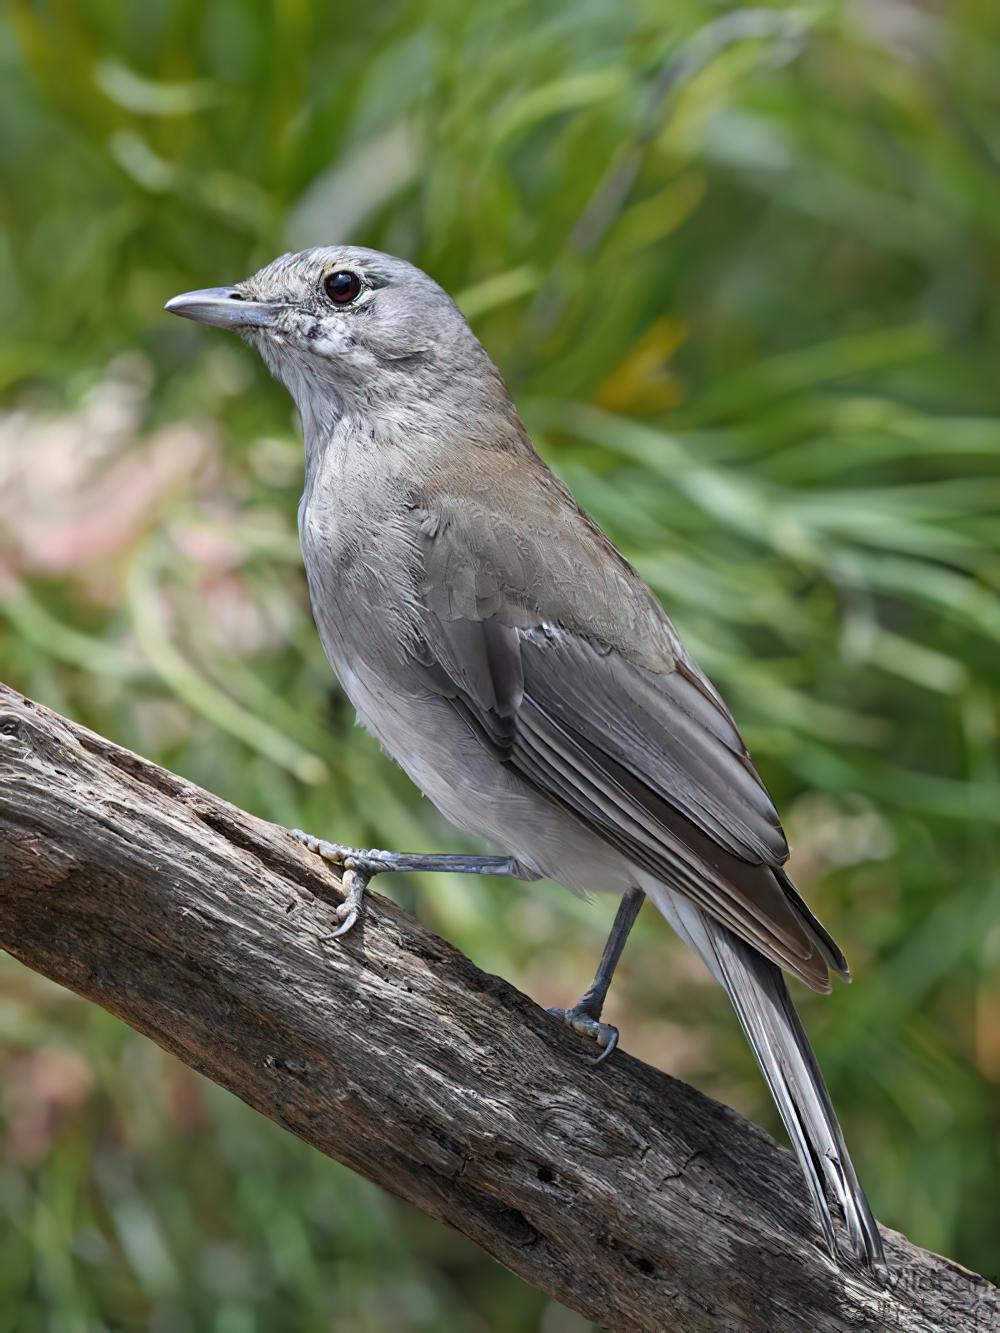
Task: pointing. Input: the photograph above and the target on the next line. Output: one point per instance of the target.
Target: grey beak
(223, 308)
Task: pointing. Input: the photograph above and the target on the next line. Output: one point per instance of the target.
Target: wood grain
(618, 1190)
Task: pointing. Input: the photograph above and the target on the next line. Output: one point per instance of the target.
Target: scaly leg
(361, 866)
(585, 1016)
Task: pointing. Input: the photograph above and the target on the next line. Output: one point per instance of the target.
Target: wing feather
(599, 707)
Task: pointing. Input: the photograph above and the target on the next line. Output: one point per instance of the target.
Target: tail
(764, 1007)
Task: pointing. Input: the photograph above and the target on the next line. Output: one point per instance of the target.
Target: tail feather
(757, 990)
(827, 944)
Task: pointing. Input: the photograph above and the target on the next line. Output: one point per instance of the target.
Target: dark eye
(342, 287)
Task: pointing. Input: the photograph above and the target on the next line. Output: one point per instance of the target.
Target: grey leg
(361, 866)
(585, 1016)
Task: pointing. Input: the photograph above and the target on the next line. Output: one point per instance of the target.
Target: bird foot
(586, 1025)
(358, 867)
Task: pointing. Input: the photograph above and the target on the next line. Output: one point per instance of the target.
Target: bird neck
(409, 435)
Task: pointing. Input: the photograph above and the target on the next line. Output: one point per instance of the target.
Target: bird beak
(223, 308)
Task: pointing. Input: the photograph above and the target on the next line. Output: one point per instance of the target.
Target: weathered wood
(618, 1190)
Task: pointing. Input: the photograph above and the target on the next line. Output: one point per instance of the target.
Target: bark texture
(618, 1190)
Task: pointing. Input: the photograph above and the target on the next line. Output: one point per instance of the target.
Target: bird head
(348, 329)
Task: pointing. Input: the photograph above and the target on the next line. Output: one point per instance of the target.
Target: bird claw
(350, 919)
(358, 869)
(586, 1025)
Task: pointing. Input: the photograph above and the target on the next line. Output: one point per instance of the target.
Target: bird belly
(362, 603)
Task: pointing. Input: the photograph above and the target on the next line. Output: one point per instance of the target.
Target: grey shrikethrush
(520, 671)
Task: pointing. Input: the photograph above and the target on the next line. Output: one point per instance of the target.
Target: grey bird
(520, 671)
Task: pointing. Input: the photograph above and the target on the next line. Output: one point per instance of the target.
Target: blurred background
(740, 268)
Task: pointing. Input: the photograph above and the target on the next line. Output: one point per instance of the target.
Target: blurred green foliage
(740, 268)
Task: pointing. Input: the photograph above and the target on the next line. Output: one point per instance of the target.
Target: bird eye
(342, 287)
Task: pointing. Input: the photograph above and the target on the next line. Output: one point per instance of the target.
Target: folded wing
(649, 760)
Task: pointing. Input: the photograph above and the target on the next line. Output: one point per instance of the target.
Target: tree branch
(618, 1190)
